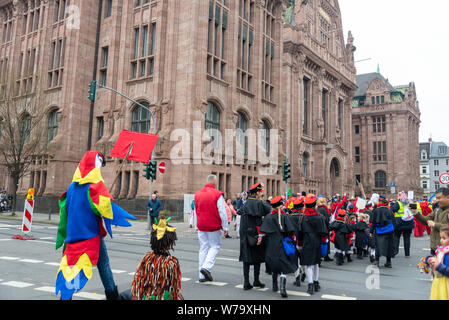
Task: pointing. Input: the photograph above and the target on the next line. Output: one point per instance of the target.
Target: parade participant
(325, 212)
(404, 222)
(337, 204)
(84, 207)
(192, 214)
(158, 275)
(230, 212)
(278, 229)
(252, 248)
(437, 219)
(382, 230)
(351, 219)
(361, 229)
(211, 219)
(419, 227)
(339, 230)
(238, 217)
(295, 215)
(371, 243)
(313, 231)
(440, 267)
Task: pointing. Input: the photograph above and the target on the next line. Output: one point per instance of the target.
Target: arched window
(242, 126)
(305, 165)
(380, 178)
(25, 127)
(140, 119)
(336, 167)
(52, 125)
(212, 122)
(266, 137)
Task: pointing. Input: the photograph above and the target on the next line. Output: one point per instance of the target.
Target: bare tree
(22, 129)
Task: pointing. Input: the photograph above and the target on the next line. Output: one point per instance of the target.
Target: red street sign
(444, 178)
(162, 167)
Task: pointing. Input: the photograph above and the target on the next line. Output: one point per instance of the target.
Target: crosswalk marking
(227, 259)
(88, 295)
(118, 271)
(55, 264)
(240, 286)
(332, 297)
(297, 293)
(213, 283)
(47, 238)
(132, 273)
(9, 258)
(46, 289)
(186, 279)
(31, 261)
(5, 239)
(17, 284)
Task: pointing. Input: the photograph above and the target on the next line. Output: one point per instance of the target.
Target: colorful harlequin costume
(158, 275)
(84, 207)
(440, 285)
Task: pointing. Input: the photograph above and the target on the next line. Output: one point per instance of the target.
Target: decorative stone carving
(320, 125)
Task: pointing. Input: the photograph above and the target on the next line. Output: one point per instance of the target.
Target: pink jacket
(230, 211)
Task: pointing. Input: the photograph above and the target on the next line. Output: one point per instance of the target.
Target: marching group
(293, 235)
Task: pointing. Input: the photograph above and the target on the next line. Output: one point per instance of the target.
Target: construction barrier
(27, 218)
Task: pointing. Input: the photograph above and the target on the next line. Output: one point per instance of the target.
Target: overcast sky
(410, 41)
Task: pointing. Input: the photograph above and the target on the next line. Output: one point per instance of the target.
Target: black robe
(275, 257)
(384, 242)
(341, 229)
(361, 234)
(312, 228)
(251, 217)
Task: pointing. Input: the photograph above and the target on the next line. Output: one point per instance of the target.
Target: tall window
(7, 28)
(424, 170)
(52, 125)
(25, 127)
(305, 165)
(108, 9)
(379, 151)
(212, 123)
(218, 23)
(305, 105)
(100, 122)
(266, 137)
(436, 162)
(56, 69)
(379, 124)
(424, 184)
(142, 62)
(104, 65)
(380, 179)
(340, 113)
(245, 44)
(140, 119)
(242, 126)
(357, 129)
(357, 154)
(323, 108)
(268, 43)
(59, 12)
(31, 17)
(436, 173)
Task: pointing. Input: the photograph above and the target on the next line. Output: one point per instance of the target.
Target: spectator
(436, 219)
(211, 219)
(154, 206)
(230, 213)
(404, 223)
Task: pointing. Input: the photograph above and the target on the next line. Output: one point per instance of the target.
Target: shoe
(316, 286)
(275, 285)
(206, 274)
(365, 253)
(247, 286)
(376, 263)
(303, 277)
(388, 265)
(297, 281)
(339, 259)
(360, 257)
(283, 290)
(348, 256)
(203, 280)
(228, 236)
(327, 258)
(310, 288)
(112, 295)
(407, 257)
(371, 259)
(258, 284)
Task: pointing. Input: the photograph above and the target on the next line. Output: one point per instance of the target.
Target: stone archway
(336, 177)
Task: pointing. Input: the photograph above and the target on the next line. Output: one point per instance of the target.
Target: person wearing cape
(339, 231)
(252, 247)
(313, 232)
(277, 227)
(158, 275)
(86, 216)
(295, 216)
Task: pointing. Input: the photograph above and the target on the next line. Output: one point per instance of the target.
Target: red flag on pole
(144, 144)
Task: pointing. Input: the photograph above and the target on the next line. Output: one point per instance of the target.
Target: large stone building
(386, 122)
(215, 65)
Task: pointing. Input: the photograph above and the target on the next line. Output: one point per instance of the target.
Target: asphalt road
(28, 269)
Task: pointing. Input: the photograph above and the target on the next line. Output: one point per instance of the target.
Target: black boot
(267, 269)
(360, 254)
(112, 295)
(365, 253)
(327, 258)
(303, 277)
(246, 284)
(275, 282)
(348, 256)
(388, 264)
(316, 286)
(376, 262)
(283, 287)
(257, 282)
(339, 259)
(310, 288)
(297, 281)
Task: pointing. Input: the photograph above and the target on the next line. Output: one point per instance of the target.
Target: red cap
(298, 201)
(257, 187)
(276, 201)
(311, 198)
(341, 212)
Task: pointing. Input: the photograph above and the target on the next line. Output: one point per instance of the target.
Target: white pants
(210, 243)
(312, 273)
(237, 225)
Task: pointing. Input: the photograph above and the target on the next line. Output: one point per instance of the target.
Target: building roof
(425, 146)
(435, 150)
(364, 80)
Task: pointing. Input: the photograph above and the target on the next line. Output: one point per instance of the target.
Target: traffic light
(153, 169)
(286, 171)
(146, 171)
(93, 87)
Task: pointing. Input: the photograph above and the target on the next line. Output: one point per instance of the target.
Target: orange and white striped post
(27, 217)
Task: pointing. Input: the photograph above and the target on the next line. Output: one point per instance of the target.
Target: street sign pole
(286, 180)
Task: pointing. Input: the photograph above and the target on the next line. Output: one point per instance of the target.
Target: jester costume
(158, 275)
(440, 285)
(84, 207)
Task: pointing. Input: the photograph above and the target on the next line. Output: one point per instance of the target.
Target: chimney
(430, 139)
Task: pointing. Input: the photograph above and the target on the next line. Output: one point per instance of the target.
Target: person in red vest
(211, 219)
